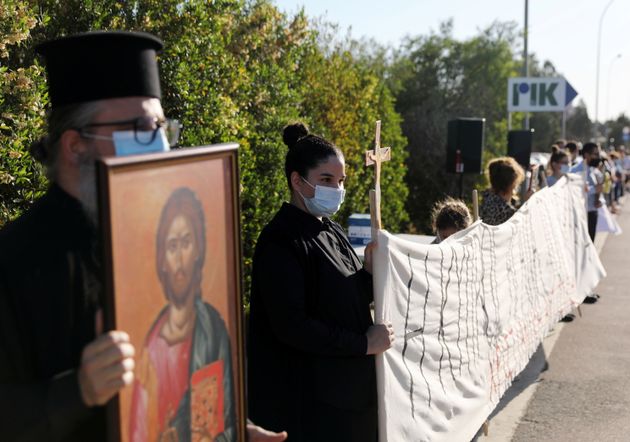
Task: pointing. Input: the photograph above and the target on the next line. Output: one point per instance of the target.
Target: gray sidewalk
(577, 386)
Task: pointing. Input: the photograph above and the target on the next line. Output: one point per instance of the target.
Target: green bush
(231, 71)
(342, 99)
(22, 102)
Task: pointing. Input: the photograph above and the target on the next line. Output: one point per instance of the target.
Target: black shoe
(568, 318)
(590, 299)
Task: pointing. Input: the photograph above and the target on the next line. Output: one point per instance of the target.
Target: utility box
(359, 229)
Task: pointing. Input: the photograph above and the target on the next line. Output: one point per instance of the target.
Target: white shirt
(593, 178)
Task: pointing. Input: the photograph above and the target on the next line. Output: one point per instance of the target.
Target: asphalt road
(584, 394)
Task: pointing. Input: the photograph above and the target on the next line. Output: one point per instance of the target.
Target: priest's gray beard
(87, 186)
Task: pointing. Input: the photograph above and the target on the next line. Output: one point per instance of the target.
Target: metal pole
(599, 46)
(564, 123)
(612, 63)
(526, 57)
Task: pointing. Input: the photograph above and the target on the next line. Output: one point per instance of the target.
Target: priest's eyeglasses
(145, 129)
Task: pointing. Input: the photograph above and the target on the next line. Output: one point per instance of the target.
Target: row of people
(603, 179)
(311, 333)
(500, 202)
(311, 340)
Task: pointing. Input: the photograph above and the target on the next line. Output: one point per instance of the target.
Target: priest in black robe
(56, 368)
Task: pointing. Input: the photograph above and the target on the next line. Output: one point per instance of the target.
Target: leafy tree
(231, 70)
(22, 100)
(614, 130)
(344, 97)
(579, 125)
(436, 79)
(228, 72)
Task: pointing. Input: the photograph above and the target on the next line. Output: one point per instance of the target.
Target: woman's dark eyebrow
(330, 175)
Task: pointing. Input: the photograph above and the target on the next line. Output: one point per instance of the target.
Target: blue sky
(562, 31)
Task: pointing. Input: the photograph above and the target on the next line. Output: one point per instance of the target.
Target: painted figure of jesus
(183, 389)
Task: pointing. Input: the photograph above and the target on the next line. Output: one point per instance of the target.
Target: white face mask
(326, 202)
(125, 142)
(564, 168)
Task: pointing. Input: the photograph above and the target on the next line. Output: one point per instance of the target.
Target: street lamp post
(526, 57)
(599, 45)
(610, 66)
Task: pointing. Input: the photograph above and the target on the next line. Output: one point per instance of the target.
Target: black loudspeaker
(520, 146)
(466, 136)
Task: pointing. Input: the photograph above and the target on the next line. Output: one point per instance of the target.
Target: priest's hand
(380, 337)
(106, 366)
(258, 434)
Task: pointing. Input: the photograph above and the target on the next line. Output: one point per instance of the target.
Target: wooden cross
(376, 157)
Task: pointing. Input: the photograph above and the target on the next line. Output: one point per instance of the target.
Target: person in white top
(594, 183)
(594, 186)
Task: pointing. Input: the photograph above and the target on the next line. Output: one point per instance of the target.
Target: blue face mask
(125, 142)
(326, 202)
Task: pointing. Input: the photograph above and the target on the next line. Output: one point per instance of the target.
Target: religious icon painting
(172, 253)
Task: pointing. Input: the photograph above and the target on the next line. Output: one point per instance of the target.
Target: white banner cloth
(468, 313)
(606, 222)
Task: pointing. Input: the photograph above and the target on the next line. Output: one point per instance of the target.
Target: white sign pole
(564, 124)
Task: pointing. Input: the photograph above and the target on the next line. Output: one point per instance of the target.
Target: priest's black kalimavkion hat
(100, 65)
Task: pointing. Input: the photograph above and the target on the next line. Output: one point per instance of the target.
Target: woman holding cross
(311, 336)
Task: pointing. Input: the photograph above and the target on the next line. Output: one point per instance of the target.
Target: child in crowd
(448, 217)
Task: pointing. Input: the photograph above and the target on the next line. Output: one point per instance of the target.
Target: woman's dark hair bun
(39, 150)
(292, 133)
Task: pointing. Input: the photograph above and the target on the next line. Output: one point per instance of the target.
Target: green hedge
(231, 71)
